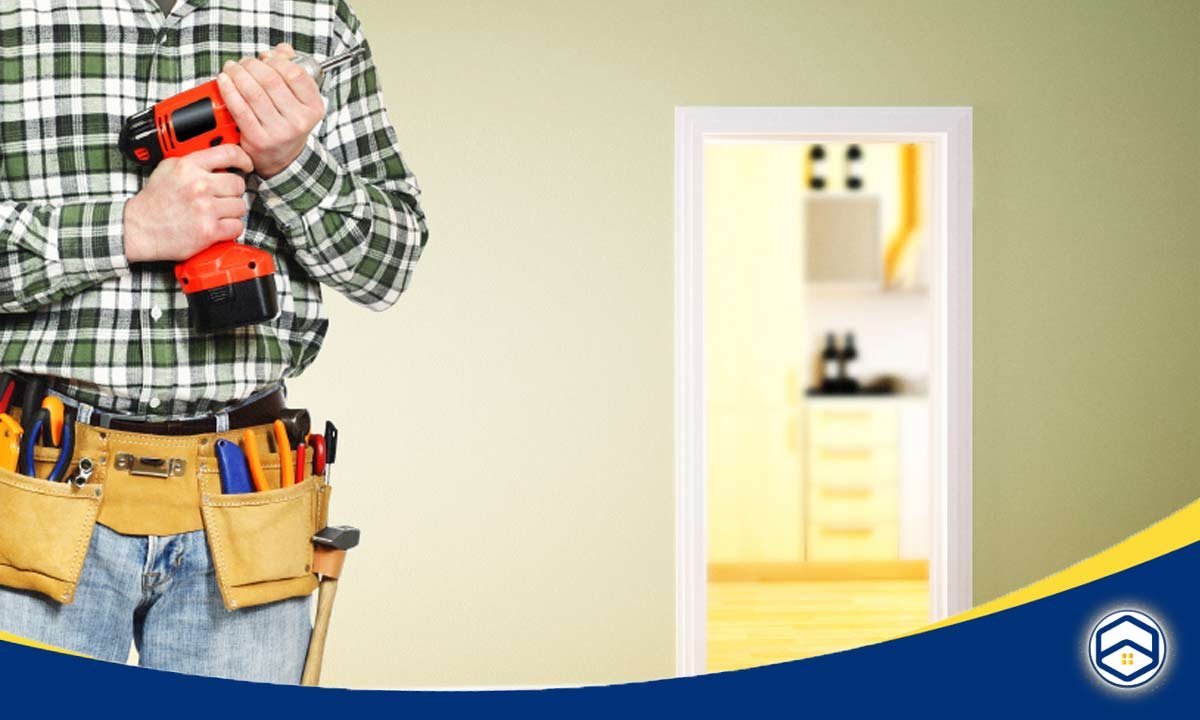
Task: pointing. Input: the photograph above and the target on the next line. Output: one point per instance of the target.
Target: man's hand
(275, 104)
(187, 205)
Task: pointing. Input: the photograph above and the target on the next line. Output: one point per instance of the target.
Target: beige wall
(507, 429)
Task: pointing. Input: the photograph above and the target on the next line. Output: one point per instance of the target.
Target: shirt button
(156, 312)
(155, 402)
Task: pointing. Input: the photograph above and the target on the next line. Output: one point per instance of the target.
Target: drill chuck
(139, 141)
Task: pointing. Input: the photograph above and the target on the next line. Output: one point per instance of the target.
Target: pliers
(45, 423)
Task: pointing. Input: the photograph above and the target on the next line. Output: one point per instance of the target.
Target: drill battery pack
(229, 285)
(243, 303)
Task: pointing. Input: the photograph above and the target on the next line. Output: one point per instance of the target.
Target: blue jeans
(160, 594)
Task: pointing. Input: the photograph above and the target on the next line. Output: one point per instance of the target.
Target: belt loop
(222, 422)
(84, 414)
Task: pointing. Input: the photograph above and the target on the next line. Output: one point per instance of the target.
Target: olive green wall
(517, 497)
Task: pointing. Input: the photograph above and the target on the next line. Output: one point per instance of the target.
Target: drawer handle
(846, 416)
(848, 529)
(847, 453)
(847, 491)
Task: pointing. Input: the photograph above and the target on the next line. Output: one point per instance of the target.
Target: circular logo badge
(1127, 648)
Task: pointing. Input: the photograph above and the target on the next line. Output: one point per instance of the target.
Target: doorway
(766, 429)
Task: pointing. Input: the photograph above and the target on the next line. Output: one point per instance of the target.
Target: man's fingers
(228, 207)
(245, 118)
(253, 92)
(277, 90)
(302, 86)
(221, 157)
(281, 49)
(229, 228)
(228, 185)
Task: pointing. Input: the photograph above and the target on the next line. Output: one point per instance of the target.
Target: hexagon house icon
(1127, 648)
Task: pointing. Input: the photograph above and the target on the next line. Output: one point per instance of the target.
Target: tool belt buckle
(150, 466)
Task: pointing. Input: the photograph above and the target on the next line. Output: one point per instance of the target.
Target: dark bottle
(829, 361)
(849, 355)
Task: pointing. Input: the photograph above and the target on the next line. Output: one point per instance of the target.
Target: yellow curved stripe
(1176, 531)
(9, 638)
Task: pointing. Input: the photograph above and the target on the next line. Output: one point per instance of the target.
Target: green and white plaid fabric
(116, 336)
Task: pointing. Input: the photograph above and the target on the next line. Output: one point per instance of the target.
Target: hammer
(329, 553)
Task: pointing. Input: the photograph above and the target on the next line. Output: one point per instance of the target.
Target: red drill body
(227, 284)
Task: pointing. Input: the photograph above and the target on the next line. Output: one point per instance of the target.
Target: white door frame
(948, 131)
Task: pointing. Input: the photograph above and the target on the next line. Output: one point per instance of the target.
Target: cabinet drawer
(852, 502)
(872, 464)
(852, 425)
(853, 541)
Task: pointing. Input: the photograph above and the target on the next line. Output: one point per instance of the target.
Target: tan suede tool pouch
(45, 529)
(261, 543)
(156, 485)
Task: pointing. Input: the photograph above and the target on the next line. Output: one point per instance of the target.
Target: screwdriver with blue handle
(233, 467)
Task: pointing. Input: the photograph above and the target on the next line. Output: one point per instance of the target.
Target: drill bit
(316, 70)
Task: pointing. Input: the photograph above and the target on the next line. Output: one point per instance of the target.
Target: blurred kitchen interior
(817, 351)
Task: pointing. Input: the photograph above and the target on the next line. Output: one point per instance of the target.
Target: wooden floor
(758, 623)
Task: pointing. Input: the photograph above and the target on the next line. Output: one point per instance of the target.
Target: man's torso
(69, 76)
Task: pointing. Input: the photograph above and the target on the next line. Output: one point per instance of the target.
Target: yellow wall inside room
(507, 430)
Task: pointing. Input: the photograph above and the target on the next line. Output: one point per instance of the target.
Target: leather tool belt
(155, 484)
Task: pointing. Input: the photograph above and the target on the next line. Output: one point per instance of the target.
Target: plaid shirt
(116, 336)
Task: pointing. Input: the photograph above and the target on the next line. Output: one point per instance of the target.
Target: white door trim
(948, 130)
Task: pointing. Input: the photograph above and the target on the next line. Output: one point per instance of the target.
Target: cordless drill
(227, 284)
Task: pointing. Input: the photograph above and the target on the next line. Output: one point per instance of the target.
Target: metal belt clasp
(150, 466)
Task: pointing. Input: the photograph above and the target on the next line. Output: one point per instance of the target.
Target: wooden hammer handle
(316, 643)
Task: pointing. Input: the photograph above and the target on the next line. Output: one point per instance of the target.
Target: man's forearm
(359, 234)
(348, 205)
(53, 251)
(351, 217)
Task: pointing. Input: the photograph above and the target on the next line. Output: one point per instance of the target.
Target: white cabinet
(867, 480)
(916, 489)
(754, 353)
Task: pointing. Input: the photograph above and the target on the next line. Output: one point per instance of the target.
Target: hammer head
(337, 537)
(298, 424)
